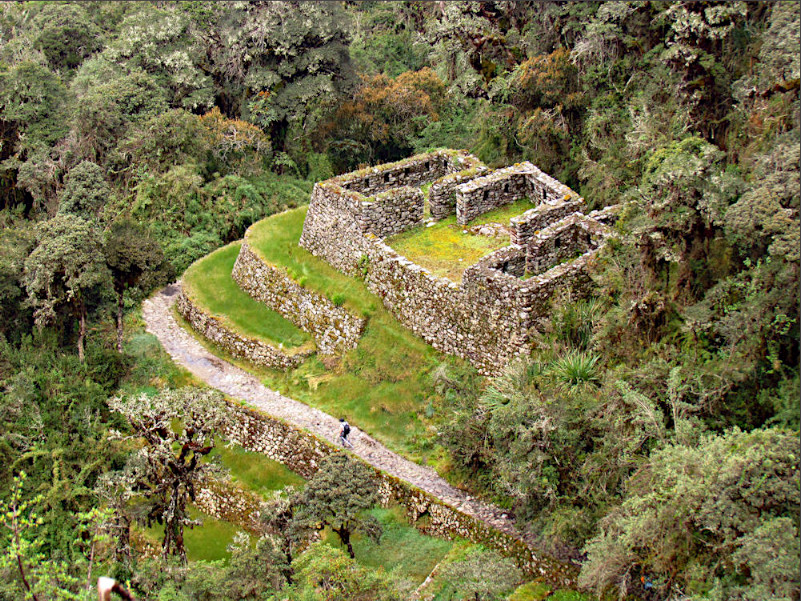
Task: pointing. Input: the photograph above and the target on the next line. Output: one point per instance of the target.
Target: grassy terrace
(254, 472)
(382, 387)
(444, 248)
(209, 283)
(402, 548)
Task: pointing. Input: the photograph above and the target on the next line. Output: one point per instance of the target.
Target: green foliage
(576, 369)
(337, 496)
(66, 270)
(327, 574)
(34, 576)
(699, 516)
(67, 35)
(85, 191)
(483, 576)
(163, 474)
(33, 98)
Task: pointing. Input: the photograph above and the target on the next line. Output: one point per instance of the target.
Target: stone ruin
(488, 318)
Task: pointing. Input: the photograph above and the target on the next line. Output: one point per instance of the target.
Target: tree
(289, 57)
(719, 515)
(41, 577)
(484, 575)
(327, 574)
(337, 496)
(179, 429)
(85, 191)
(66, 269)
(133, 257)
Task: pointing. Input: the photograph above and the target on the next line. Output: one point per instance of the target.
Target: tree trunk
(344, 536)
(81, 331)
(119, 321)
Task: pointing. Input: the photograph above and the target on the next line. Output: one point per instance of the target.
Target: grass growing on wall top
(209, 283)
(445, 250)
(383, 386)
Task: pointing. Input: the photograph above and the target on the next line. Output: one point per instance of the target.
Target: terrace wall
(302, 452)
(334, 329)
(243, 347)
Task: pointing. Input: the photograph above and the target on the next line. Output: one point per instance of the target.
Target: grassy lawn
(383, 386)
(207, 542)
(276, 240)
(209, 283)
(255, 471)
(402, 548)
(447, 249)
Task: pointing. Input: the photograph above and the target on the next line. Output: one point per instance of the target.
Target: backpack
(345, 429)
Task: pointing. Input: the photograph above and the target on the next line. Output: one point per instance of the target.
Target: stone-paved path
(189, 353)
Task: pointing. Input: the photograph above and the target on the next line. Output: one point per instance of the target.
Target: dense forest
(652, 438)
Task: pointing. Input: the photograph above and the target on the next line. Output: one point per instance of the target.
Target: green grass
(276, 240)
(209, 283)
(256, 472)
(382, 386)
(402, 549)
(208, 542)
(444, 248)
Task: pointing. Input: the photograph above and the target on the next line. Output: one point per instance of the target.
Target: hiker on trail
(344, 430)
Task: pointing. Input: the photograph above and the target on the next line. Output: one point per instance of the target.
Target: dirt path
(189, 353)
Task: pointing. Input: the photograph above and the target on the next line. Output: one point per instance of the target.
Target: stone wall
(544, 215)
(250, 349)
(442, 194)
(566, 239)
(224, 500)
(334, 329)
(481, 320)
(331, 230)
(488, 318)
(414, 171)
(392, 211)
(302, 452)
(488, 192)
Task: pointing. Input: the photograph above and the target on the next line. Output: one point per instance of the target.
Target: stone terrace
(490, 317)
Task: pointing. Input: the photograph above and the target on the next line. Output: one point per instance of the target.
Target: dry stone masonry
(242, 347)
(296, 435)
(489, 318)
(334, 329)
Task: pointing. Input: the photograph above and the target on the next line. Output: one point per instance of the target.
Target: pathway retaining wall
(302, 452)
(238, 345)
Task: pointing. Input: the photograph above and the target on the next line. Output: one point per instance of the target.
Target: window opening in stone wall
(557, 243)
(506, 188)
(543, 193)
(486, 194)
(426, 165)
(386, 176)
